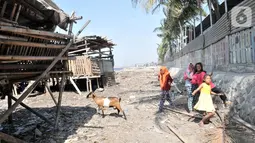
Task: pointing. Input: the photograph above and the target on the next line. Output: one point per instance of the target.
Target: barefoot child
(205, 102)
(165, 85)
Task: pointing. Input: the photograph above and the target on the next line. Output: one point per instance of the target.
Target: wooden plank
(7, 37)
(24, 66)
(177, 135)
(33, 32)
(31, 44)
(31, 73)
(75, 86)
(32, 58)
(10, 139)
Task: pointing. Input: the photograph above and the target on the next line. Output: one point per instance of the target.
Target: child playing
(188, 77)
(205, 102)
(165, 85)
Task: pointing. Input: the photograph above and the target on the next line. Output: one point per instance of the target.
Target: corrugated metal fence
(222, 44)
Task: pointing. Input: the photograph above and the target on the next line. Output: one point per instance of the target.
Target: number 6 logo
(241, 16)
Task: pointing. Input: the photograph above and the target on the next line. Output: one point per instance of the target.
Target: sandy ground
(80, 122)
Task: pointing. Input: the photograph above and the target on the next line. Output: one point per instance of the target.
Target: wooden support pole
(62, 86)
(176, 134)
(10, 139)
(9, 102)
(29, 90)
(87, 84)
(14, 90)
(17, 15)
(90, 85)
(31, 110)
(84, 26)
(97, 83)
(75, 86)
(51, 94)
(3, 9)
(13, 11)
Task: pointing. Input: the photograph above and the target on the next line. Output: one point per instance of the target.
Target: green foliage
(178, 13)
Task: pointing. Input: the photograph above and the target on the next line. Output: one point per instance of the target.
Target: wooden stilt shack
(31, 51)
(94, 60)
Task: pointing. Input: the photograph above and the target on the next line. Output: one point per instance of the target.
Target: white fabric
(106, 102)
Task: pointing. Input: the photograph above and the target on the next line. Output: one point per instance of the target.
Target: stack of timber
(28, 44)
(84, 66)
(91, 45)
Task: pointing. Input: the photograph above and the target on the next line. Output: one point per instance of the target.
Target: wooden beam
(51, 94)
(17, 15)
(31, 7)
(75, 86)
(3, 9)
(38, 79)
(61, 90)
(31, 73)
(10, 139)
(13, 11)
(27, 66)
(76, 51)
(31, 44)
(33, 111)
(32, 58)
(29, 90)
(33, 32)
(43, 37)
(7, 37)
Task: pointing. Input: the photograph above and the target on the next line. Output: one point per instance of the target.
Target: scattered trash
(132, 97)
(38, 132)
(1, 127)
(100, 89)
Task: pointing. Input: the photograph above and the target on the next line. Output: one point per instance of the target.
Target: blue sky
(130, 28)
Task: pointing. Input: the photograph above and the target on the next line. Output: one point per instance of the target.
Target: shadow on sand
(71, 118)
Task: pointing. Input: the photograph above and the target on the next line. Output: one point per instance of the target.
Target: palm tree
(153, 4)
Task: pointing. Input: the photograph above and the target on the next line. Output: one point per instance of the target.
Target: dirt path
(80, 122)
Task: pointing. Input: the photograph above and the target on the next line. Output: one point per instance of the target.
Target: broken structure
(94, 60)
(31, 51)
